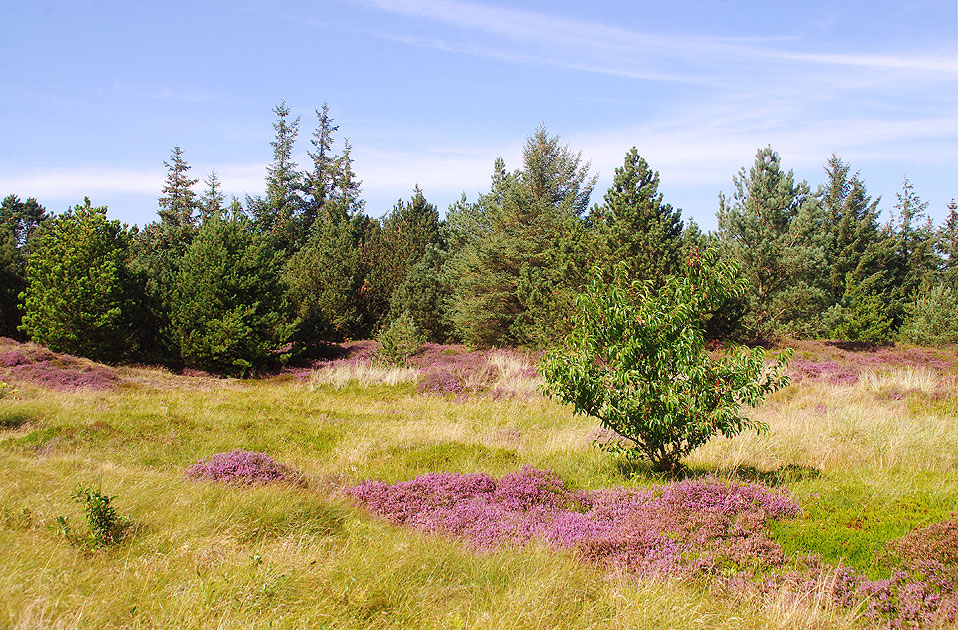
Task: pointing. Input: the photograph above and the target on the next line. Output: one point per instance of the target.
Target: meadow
(863, 444)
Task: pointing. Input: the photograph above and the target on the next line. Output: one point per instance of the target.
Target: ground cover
(871, 464)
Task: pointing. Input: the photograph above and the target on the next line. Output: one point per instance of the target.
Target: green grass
(200, 555)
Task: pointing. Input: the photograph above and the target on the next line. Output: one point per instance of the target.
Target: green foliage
(227, 309)
(398, 341)
(79, 292)
(425, 295)
(276, 215)
(407, 231)
(932, 319)
(325, 282)
(19, 224)
(636, 360)
(514, 266)
(635, 226)
(104, 526)
(855, 246)
(862, 314)
(773, 227)
(157, 253)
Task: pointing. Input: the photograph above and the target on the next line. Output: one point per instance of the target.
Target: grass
(868, 461)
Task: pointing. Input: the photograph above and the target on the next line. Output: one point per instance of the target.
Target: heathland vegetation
(448, 493)
(424, 477)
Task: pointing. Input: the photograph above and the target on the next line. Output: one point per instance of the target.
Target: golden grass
(208, 556)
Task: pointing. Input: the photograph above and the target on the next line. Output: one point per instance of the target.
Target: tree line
(235, 286)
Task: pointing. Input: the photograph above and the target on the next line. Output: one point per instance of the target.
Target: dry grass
(341, 375)
(204, 556)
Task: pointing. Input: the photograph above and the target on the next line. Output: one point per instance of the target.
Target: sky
(96, 93)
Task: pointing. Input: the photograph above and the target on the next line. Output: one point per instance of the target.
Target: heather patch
(243, 468)
(35, 364)
(684, 529)
(694, 529)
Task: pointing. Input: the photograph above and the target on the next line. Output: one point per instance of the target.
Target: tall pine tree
(519, 266)
(772, 226)
(634, 224)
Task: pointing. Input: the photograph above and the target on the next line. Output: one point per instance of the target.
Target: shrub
(932, 318)
(240, 467)
(399, 341)
(105, 527)
(636, 360)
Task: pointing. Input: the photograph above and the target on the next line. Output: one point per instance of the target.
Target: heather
(698, 529)
(35, 364)
(242, 467)
(681, 528)
(870, 465)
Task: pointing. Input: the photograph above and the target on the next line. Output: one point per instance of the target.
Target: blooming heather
(241, 467)
(670, 529)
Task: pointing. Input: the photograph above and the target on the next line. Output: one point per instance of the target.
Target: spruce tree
(157, 253)
(519, 267)
(914, 263)
(406, 232)
(277, 214)
(857, 282)
(947, 245)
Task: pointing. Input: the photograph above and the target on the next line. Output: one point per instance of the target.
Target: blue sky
(96, 93)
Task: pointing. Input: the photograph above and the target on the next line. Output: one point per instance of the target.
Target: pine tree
(635, 226)
(325, 284)
(78, 295)
(517, 271)
(771, 227)
(227, 313)
(20, 223)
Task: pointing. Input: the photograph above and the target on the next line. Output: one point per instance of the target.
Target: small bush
(932, 319)
(104, 526)
(399, 341)
(241, 467)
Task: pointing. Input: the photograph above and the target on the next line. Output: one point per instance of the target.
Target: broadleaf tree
(636, 360)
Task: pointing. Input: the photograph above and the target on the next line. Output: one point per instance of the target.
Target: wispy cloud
(602, 48)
